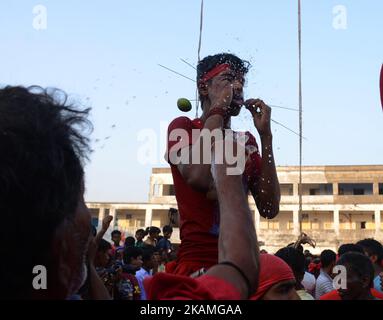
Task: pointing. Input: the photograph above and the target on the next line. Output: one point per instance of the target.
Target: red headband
(215, 71)
(272, 271)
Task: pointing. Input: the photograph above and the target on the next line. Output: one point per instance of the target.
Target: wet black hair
(210, 62)
(43, 148)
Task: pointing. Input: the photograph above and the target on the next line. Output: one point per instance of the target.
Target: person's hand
(305, 239)
(261, 115)
(221, 92)
(106, 222)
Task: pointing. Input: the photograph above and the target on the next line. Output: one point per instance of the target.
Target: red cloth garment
(334, 295)
(163, 286)
(272, 271)
(199, 216)
(170, 266)
(314, 267)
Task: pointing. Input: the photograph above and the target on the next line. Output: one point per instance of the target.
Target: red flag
(381, 86)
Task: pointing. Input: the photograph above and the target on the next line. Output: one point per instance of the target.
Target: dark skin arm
(105, 225)
(266, 191)
(198, 176)
(235, 218)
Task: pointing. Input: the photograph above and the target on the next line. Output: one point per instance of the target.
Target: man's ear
(202, 88)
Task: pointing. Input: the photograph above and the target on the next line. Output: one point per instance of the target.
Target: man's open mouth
(237, 101)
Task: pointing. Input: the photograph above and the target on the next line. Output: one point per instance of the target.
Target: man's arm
(237, 238)
(266, 192)
(198, 175)
(105, 225)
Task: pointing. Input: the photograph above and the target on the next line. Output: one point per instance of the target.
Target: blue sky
(105, 55)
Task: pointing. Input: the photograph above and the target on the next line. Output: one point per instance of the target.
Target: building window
(363, 225)
(156, 190)
(355, 189)
(317, 189)
(287, 189)
(380, 188)
(168, 190)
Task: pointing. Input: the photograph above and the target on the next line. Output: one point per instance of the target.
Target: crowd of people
(123, 265)
(292, 273)
(44, 147)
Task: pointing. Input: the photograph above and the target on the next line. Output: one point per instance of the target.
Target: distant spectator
(153, 234)
(324, 283)
(140, 235)
(296, 260)
(349, 247)
(164, 245)
(374, 250)
(129, 242)
(314, 267)
(149, 263)
(128, 288)
(276, 280)
(103, 267)
(360, 277)
(116, 240)
(343, 249)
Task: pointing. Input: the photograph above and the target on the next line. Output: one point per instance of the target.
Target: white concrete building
(341, 204)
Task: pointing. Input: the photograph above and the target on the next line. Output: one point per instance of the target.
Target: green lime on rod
(184, 105)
